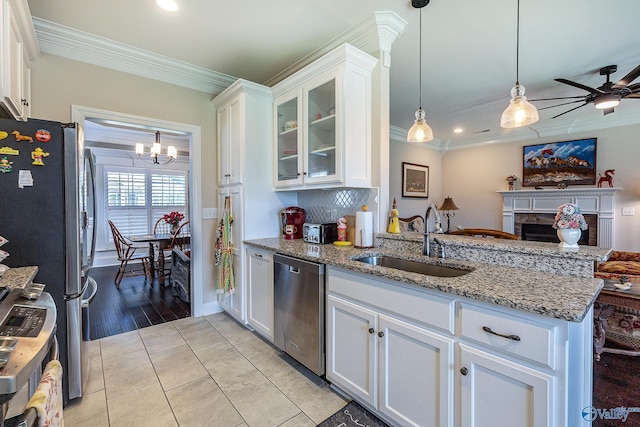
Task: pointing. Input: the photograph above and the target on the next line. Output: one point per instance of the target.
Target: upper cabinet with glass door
(322, 121)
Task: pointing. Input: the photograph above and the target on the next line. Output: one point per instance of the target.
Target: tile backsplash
(331, 204)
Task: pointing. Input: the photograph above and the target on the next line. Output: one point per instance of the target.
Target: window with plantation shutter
(136, 198)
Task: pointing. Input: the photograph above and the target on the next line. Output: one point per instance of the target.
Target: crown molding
(377, 32)
(67, 42)
(20, 10)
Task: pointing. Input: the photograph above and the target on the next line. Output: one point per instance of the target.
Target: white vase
(569, 237)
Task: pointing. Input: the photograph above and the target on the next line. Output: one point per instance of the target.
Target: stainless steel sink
(414, 266)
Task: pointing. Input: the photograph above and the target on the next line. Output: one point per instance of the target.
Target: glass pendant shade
(520, 112)
(420, 131)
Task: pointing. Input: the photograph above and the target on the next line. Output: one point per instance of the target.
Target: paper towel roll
(364, 229)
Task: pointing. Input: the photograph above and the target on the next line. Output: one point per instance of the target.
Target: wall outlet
(628, 211)
(209, 213)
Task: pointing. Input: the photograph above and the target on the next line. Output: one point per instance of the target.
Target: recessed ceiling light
(458, 130)
(168, 5)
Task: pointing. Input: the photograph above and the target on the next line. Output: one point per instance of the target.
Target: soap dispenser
(394, 224)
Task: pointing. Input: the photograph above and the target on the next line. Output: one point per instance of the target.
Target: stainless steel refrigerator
(47, 207)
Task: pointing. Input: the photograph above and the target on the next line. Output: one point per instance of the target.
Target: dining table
(162, 241)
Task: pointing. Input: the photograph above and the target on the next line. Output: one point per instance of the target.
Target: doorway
(86, 117)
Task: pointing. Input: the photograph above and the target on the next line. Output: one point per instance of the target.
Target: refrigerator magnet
(3, 134)
(43, 135)
(37, 155)
(5, 165)
(10, 151)
(20, 137)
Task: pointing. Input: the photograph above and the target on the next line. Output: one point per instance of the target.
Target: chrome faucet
(438, 227)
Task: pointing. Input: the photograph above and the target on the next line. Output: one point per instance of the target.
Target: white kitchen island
(497, 346)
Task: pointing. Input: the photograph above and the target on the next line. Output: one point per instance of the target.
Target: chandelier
(155, 156)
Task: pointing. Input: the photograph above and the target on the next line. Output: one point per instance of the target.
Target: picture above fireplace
(560, 163)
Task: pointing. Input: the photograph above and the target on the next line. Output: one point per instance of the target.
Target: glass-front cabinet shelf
(288, 141)
(321, 132)
(322, 117)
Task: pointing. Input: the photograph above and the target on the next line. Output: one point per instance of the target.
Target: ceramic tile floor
(202, 371)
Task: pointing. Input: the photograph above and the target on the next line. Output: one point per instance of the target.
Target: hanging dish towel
(224, 251)
(47, 399)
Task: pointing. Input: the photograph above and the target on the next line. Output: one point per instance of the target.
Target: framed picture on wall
(560, 163)
(415, 180)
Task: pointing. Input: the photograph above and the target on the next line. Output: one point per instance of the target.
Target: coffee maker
(292, 219)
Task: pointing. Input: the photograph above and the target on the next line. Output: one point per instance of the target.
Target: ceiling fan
(605, 97)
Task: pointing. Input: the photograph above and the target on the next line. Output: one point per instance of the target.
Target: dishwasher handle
(294, 270)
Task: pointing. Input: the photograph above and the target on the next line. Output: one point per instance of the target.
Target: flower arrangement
(511, 179)
(569, 216)
(173, 218)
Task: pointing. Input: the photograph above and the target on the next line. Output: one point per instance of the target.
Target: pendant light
(520, 112)
(420, 131)
(155, 156)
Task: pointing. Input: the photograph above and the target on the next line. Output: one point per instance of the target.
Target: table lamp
(449, 209)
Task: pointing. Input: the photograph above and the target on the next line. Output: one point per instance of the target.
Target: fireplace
(546, 233)
(540, 206)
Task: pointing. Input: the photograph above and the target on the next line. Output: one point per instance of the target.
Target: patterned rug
(353, 415)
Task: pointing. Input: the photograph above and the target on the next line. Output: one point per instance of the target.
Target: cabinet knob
(371, 330)
(25, 102)
(304, 173)
(464, 371)
(380, 334)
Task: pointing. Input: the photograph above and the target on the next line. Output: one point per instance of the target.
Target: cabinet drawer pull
(380, 334)
(258, 255)
(464, 371)
(371, 330)
(25, 102)
(510, 337)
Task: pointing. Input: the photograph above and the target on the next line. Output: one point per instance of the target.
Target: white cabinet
(495, 390)
(402, 370)
(260, 291)
(231, 137)
(244, 146)
(322, 123)
(17, 42)
(418, 357)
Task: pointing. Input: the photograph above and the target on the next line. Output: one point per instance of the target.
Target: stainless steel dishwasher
(299, 310)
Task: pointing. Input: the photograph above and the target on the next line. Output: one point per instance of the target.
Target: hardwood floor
(616, 381)
(137, 304)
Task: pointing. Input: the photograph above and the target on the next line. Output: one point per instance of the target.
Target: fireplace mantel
(600, 201)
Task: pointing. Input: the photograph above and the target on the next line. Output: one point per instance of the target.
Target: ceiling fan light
(520, 112)
(420, 131)
(607, 101)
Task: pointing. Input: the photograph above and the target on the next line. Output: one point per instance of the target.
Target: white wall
(418, 154)
(57, 83)
(472, 176)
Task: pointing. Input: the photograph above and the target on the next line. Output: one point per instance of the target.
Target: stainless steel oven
(299, 310)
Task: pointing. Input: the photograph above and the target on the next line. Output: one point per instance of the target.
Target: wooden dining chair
(127, 253)
(182, 237)
(163, 227)
(486, 232)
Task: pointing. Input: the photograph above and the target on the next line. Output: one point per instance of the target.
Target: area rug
(353, 415)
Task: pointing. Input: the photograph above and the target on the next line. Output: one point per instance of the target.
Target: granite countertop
(554, 295)
(590, 253)
(18, 277)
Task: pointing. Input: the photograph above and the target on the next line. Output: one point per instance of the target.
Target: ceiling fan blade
(632, 96)
(580, 86)
(568, 111)
(633, 74)
(634, 87)
(559, 105)
(561, 97)
(607, 111)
